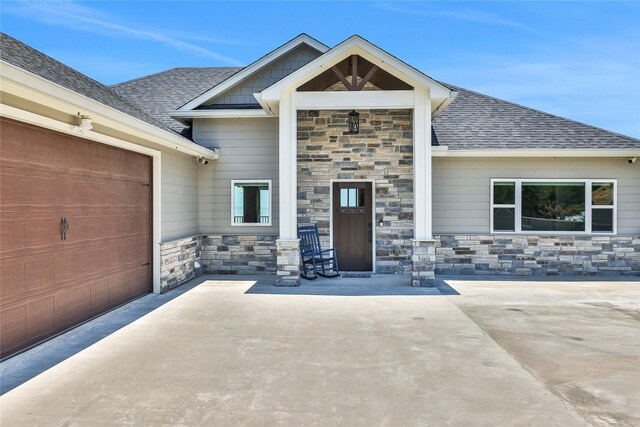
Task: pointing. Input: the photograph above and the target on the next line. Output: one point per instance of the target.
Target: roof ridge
(167, 71)
(524, 107)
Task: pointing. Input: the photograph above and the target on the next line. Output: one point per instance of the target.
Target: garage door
(51, 281)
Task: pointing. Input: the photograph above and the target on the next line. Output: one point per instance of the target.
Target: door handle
(370, 233)
(64, 227)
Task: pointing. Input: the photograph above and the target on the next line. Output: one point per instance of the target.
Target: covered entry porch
(385, 163)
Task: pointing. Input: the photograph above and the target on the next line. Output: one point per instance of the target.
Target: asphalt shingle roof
(166, 91)
(471, 121)
(477, 121)
(19, 54)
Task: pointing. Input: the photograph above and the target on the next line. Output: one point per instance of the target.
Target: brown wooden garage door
(49, 284)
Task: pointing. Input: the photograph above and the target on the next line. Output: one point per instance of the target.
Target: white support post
(288, 171)
(422, 165)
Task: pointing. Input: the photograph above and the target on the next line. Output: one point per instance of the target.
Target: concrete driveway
(501, 353)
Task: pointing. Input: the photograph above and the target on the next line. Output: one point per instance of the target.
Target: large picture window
(553, 206)
(251, 203)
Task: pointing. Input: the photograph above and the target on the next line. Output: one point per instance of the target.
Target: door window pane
(351, 197)
(251, 203)
(602, 220)
(553, 206)
(602, 193)
(504, 193)
(504, 219)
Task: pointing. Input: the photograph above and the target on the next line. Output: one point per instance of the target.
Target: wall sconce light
(354, 122)
(85, 124)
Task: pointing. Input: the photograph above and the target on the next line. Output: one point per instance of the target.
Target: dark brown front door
(352, 226)
(50, 281)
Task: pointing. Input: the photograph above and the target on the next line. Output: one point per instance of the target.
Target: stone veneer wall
(383, 150)
(177, 261)
(239, 254)
(538, 255)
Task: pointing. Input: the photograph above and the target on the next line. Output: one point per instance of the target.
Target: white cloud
(469, 15)
(74, 15)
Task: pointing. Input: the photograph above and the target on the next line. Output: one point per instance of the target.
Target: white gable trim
(253, 68)
(354, 45)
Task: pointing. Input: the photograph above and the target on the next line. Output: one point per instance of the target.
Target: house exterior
(216, 167)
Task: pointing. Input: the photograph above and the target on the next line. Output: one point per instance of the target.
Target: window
(251, 203)
(553, 206)
(351, 197)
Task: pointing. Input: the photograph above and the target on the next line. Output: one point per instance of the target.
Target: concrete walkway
(230, 352)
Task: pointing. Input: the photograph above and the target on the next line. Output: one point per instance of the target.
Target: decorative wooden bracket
(354, 85)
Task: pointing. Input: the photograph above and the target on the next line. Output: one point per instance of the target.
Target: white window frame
(588, 184)
(233, 202)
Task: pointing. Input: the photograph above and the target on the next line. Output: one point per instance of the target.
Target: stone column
(423, 262)
(288, 262)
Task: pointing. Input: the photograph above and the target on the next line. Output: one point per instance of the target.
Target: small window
(602, 205)
(553, 206)
(504, 206)
(351, 197)
(251, 203)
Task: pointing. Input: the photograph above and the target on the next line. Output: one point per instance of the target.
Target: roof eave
(31, 86)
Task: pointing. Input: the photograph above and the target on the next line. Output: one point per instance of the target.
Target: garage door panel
(12, 181)
(119, 288)
(140, 281)
(43, 188)
(14, 329)
(39, 272)
(12, 226)
(49, 284)
(11, 147)
(39, 318)
(116, 162)
(12, 276)
(72, 306)
(68, 153)
(41, 228)
(38, 147)
(99, 296)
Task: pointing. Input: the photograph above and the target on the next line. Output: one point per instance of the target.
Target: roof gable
(296, 51)
(355, 45)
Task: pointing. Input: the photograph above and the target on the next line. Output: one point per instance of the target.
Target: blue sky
(580, 60)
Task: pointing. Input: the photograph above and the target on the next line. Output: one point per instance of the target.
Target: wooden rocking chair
(313, 258)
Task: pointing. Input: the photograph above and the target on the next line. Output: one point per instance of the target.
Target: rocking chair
(322, 262)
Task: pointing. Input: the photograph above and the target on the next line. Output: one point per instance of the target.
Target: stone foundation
(423, 261)
(382, 152)
(178, 262)
(288, 263)
(239, 254)
(538, 255)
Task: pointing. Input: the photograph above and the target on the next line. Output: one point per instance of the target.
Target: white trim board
(48, 123)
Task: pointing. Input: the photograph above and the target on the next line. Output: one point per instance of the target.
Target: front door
(352, 226)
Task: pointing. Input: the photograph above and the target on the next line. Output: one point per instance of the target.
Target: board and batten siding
(461, 187)
(248, 150)
(179, 195)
